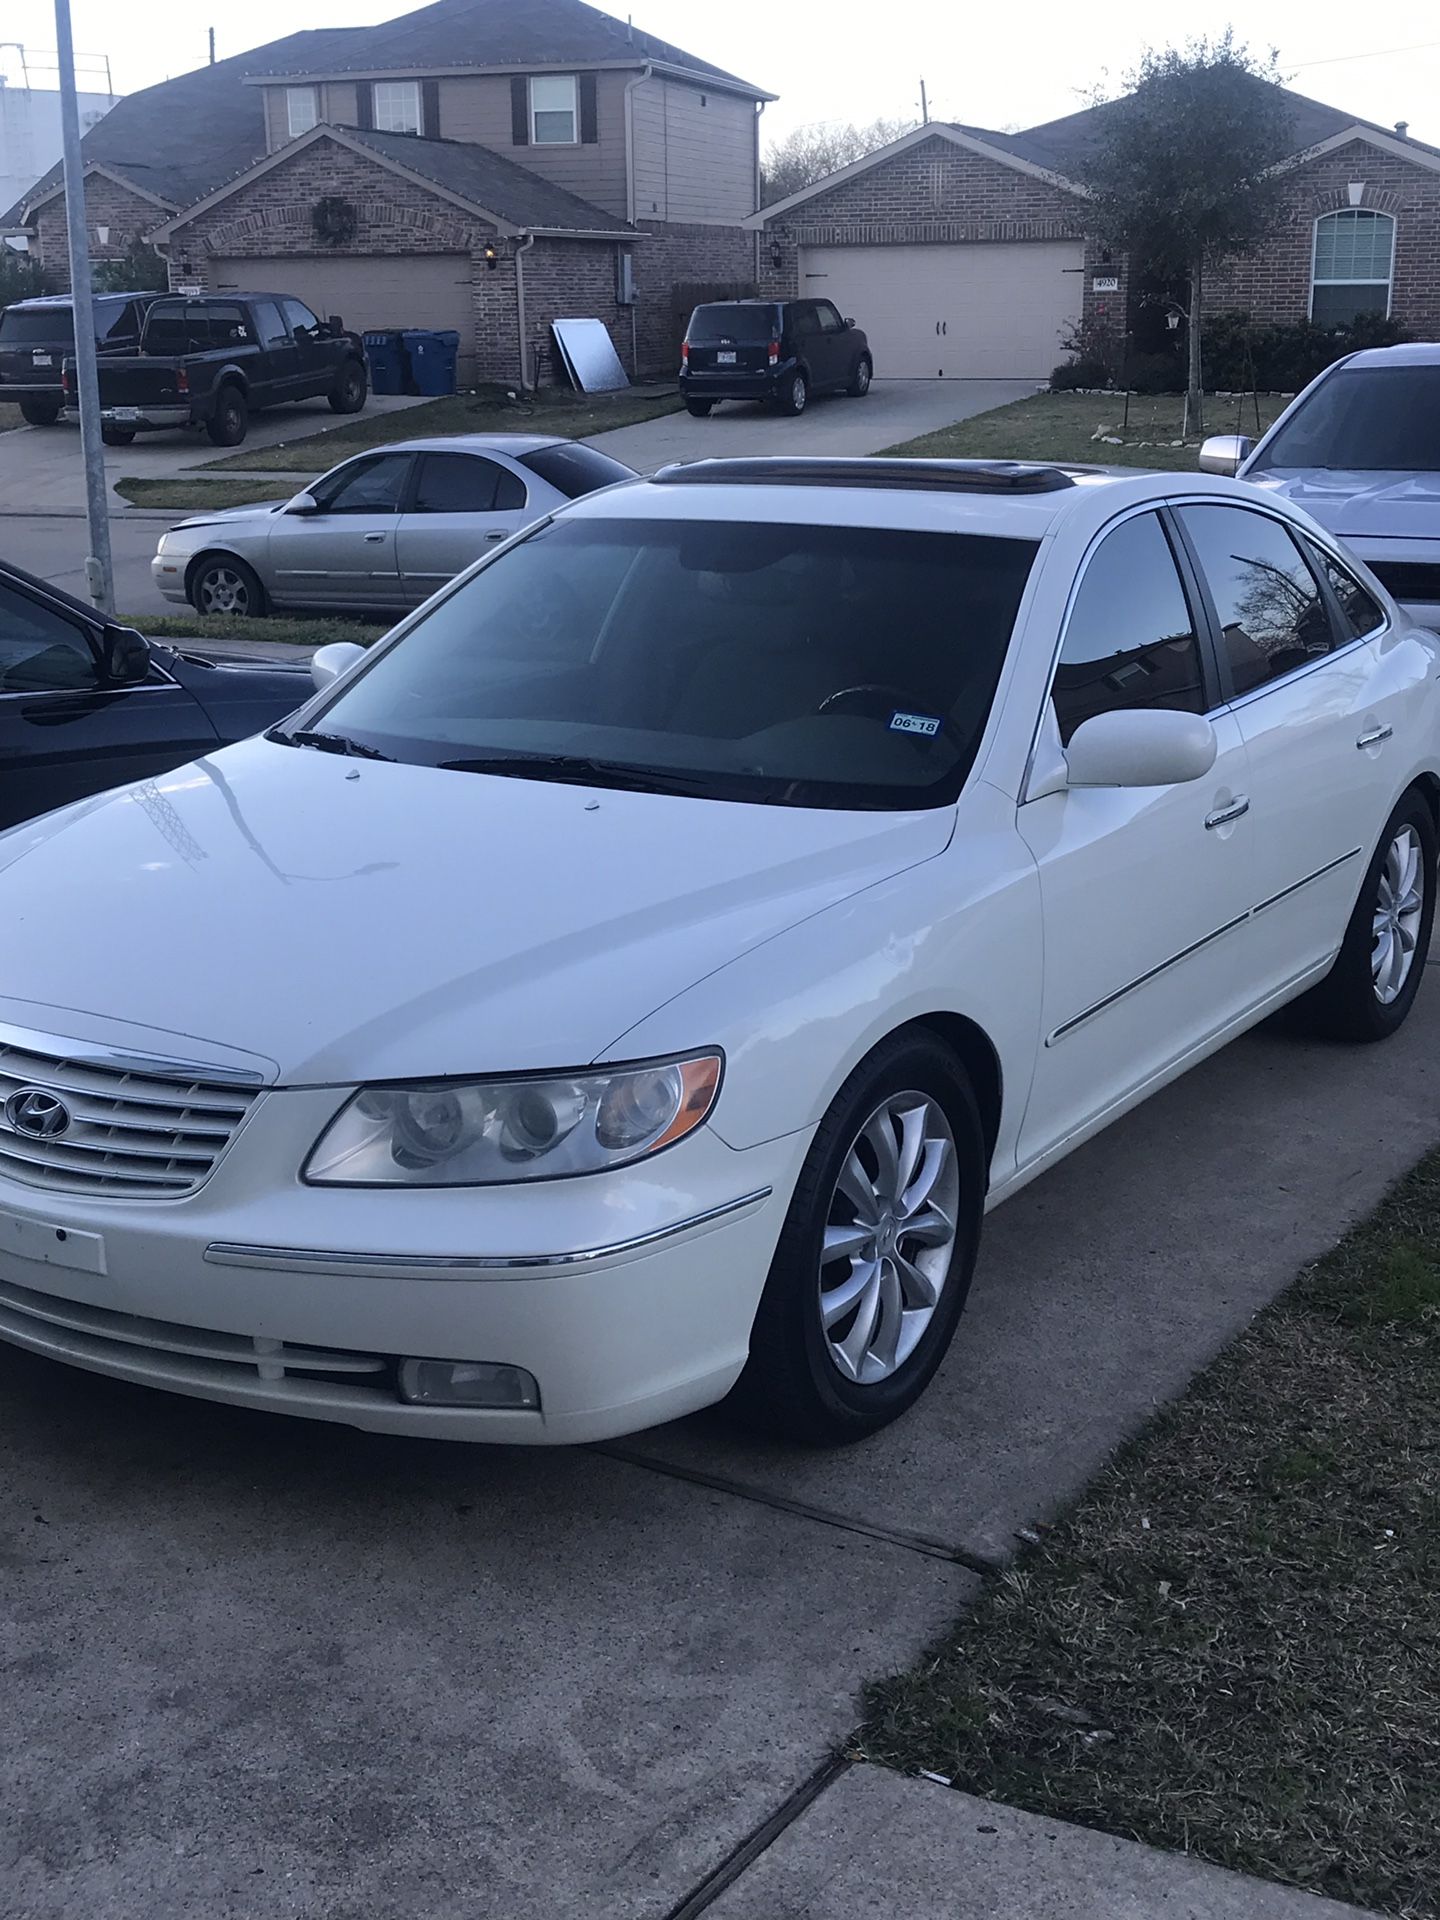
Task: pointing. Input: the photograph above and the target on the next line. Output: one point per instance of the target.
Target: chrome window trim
(89, 693)
(441, 1266)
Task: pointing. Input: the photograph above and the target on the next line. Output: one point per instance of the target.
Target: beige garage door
(399, 290)
(991, 310)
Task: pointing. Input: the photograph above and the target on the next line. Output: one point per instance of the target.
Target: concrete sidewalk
(878, 1846)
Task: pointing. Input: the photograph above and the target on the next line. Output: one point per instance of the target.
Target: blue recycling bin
(386, 354)
(433, 357)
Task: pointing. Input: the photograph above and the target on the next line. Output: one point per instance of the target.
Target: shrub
(1079, 373)
(1281, 357)
(1156, 373)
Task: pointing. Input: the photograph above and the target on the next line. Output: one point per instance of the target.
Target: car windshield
(1363, 419)
(790, 665)
(736, 322)
(37, 326)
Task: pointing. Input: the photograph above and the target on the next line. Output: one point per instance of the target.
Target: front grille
(70, 1329)
(1409, 579)
(129, 1131)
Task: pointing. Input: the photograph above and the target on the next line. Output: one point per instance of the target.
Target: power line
(1377, 53)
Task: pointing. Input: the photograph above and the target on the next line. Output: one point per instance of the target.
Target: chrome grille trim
(136, 1128)
(259, 1358)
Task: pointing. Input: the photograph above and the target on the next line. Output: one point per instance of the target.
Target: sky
(987, 66)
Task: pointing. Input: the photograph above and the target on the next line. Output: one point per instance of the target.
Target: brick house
(481, 165)
(963, 252)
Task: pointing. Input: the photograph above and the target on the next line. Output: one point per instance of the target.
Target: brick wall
(675, 255)
(932, 194)
(127, 215)
(1274, 283)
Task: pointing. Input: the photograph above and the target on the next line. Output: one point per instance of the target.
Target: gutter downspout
(638, 80)
(759, 109)
(520, 252)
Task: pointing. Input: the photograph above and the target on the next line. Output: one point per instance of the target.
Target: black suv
(36, 335)
(779, 351)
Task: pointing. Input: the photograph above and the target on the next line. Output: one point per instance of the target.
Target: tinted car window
(1272, 615)
(273, 331)
(1130, 640)
(1359, 612)
(226, 324)
(789, 665)
(573, 469)
(36, 326)
(1364, 419)
(455, 483)
(709, 325)
(369, 486)
(40, 651)
(176, 328)
(828, 319)
(299, 316)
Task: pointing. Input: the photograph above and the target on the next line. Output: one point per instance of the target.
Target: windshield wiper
(329, 743)
(580, 770)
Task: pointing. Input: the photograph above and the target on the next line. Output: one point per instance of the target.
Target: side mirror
(1225, 453)
(124, 656)
(336, 325)
(1140, 747)
(849, 323)
(304, 502)
(328, 663)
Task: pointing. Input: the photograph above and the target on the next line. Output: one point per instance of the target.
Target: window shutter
(589, 113)
(519, 110)
(364, 105)
(430, 109)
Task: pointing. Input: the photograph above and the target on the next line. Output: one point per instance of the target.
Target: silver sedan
(379, 533)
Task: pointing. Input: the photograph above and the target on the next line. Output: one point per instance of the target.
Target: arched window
(1353, 264)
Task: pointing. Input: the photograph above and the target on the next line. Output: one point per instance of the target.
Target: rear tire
(228, 425)
(700, 408)
(795, 395)
(800, 1381)
(116, 436)
(40, 413)
(860, 380)
(351, 390)
(1371, 988)
(219, 583)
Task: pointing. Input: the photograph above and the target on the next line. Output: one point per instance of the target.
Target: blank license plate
(52, 1246)
(124, 413)
(43, 360)
(724, 359)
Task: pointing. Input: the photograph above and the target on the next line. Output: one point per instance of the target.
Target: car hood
(345, 919)
(1394, 506)
(228, 516)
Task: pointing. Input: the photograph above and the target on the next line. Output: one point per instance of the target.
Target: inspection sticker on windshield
(925, 723)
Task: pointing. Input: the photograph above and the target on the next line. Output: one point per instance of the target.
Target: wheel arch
(1427, 785)
(193, 566)
(980, 1059)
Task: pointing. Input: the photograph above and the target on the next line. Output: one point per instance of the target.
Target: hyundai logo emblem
(37, 1112)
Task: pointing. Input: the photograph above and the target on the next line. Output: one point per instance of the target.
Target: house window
(302, 110)
(1354, 263)
(397, 106)
(554, 110)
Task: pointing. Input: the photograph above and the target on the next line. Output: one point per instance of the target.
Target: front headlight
(463, 1133)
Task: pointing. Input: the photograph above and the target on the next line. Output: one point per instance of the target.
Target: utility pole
(212, 46)
(924, 105)
(98, 574)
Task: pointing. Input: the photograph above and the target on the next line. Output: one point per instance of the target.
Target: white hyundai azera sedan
(629, 984)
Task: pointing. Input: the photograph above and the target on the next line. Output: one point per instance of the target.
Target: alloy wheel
(1399, 908)
(889, 1237)
(221, 590)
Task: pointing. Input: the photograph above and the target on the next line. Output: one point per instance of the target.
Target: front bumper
(628, 1296)
(168, 571)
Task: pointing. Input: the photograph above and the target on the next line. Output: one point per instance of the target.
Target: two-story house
(481, 165)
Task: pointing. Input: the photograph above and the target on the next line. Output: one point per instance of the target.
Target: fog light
(467, 1383)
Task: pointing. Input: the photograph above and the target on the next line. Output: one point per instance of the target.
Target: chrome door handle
(1374, 737)
(495, 536)
(374, 538)
(1222, 815)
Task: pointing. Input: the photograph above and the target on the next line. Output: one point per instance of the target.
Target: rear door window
(1272, 615)
(455, 483)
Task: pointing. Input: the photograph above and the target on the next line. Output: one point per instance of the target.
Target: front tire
(876, 1255)
(350, 391)
(860, 380)
(40, 413)
(699, 408)
(221, 584)
(1371, 988)
(228, 425)
(794, 396)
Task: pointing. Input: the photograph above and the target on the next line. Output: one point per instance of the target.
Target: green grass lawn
(195, 496)
(286, 630)
(1065, 426)
(1232, 1645)
(574, 415)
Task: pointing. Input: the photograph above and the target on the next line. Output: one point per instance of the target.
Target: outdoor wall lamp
(777, 255)
(492, 259)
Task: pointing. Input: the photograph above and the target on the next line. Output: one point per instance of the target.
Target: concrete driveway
(264, 1669)
(892, 411)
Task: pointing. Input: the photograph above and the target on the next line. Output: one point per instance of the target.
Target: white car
(1360, 449)
(630, 983)
(380, 532)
